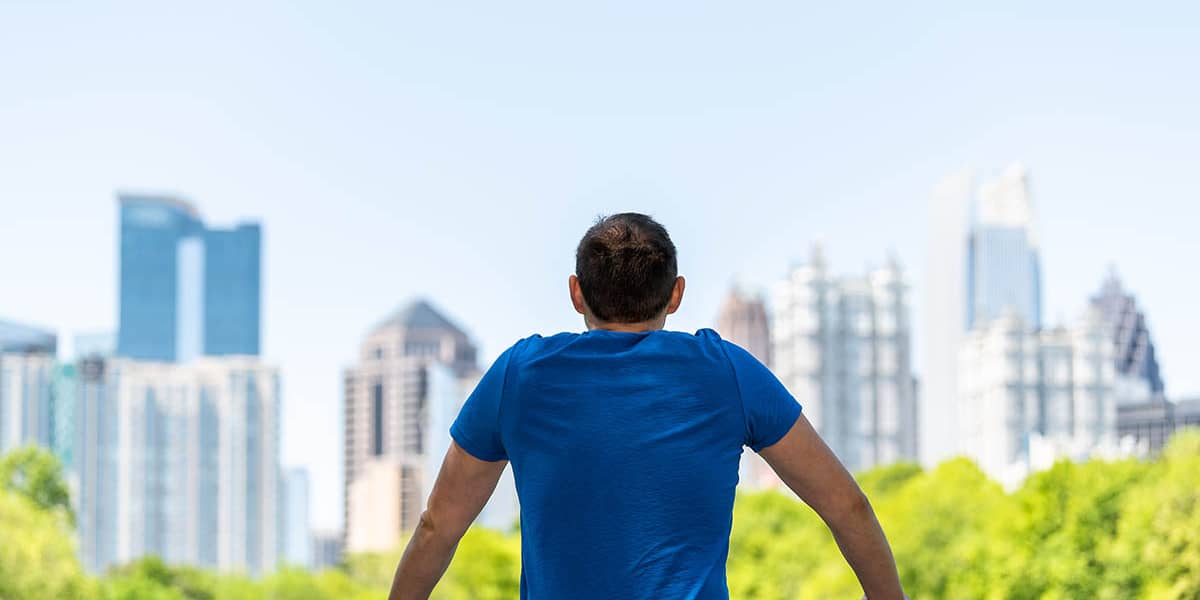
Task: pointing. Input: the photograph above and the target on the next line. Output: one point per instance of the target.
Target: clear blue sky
(459, 151)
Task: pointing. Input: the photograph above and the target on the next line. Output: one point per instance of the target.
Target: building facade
(27, 384)
(1003, 264)
(1150, 425)
(842, 346)
(179, 461)
(185, 290)
(327, 549)
(295, 535)
(983, 261)
(743, 321)
(945, 317)
(1030, 397)
(404, 384)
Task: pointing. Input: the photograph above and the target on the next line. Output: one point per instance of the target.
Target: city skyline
(364, 140)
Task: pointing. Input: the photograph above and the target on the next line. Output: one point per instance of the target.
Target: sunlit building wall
(390, 398)
(945, 317)
(1023, 389)
(27, 375)
(295, 535)
(179, 461)
(842, 346)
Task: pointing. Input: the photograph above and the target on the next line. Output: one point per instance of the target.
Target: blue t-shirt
(624, 448)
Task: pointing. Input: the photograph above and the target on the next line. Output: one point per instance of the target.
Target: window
(377, 419)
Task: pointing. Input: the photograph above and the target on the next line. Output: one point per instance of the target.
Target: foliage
(36, 474)
(1102, 530)
(37, 556)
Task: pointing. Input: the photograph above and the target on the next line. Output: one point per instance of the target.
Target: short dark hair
(626, 268)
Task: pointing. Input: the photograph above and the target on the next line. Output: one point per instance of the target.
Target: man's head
(625, 273)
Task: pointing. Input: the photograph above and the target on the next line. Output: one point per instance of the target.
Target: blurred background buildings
(169, 428)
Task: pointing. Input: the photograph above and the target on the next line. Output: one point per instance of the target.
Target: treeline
(1099, 530)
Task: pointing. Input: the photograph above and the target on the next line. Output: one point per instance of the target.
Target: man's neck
(641, 327)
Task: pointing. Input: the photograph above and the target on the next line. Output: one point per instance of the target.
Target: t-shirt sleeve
(769, 408)
(477, 428)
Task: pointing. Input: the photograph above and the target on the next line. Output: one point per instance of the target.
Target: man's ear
(576, 295)
(676, 296)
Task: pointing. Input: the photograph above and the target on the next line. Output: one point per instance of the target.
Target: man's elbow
(851, 507)
(433, 529)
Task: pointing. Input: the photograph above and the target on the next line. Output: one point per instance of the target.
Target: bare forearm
(862, 542)
(424, 561)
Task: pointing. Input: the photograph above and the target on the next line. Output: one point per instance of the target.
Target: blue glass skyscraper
(1003, 267)
(232, 278)
(185, 290)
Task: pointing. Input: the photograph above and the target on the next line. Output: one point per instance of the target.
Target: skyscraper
(180, 461)
(945, 317)
(842, 346)
(1133, 350)
(408, 370)
(232, 275)
(185, 290)
(27, 375)
(983, 262)
(1003, 267)
(743, 321)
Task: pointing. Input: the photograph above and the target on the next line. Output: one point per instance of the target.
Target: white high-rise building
(27, 372)
(179, 461)
(842, 347)
(1030, 397)
(945, 318)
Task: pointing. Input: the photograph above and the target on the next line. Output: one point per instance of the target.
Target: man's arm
(809, 467)
(463, 487)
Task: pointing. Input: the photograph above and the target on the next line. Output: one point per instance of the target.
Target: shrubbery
(1098, 530)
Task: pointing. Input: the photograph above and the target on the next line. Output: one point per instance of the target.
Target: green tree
(1156, 553)
(36, 474)
(37, 556)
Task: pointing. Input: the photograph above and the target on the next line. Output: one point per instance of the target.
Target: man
(624, 442)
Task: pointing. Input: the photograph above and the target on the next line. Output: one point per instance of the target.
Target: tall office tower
(1133, 351)
(95, 469)
(1003, 268)
(185, 290)
(945, 318)
(982, 262)
(1030, 397)
(842, 347)
(389, 399)
(743, 321)
(295, 535)
(27, 373)
(179, 461)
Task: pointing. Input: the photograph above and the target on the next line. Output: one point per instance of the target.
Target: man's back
(625, 442)
(625, 449)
